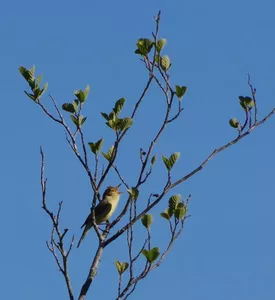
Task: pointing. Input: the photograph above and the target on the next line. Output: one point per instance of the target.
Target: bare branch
(218, 150)
(53, 245)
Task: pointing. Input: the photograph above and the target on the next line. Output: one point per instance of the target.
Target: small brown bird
(103, 211)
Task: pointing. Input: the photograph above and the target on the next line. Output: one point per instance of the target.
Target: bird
(103, 211)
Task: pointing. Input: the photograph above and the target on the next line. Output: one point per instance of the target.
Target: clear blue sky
(227, 250)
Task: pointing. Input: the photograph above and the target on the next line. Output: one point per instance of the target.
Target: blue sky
(227, 248)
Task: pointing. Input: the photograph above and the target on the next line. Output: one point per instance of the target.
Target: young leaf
(81, 120)
(169, 211)
(234, 123)
(68, 107)
(180, 91)
(109, 154)
(153, 160)
(121, 266)
(174, 200)
(75, 104)
(151, 255)
(180, 211)
(86, 91)
(165, 63)
(165, 215)
(160, 44)
(82, 95)
(133, 192)
(27, 74)
(75, 120)
(125, 123)
(166, 162)
(113, 124)
(144, 46)
(95, 147)
(147, 220)
(30, 96)
(119, 105)
(45, 87)
(37, 93)
(38, 81)
(105, 116)
(169, 163)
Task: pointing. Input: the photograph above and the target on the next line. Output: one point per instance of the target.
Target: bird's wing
(102, 210)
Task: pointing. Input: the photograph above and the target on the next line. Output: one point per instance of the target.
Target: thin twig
(52, 245)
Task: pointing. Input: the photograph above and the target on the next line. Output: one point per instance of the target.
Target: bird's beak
(116, 188)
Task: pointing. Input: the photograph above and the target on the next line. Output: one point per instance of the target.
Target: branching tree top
(136, 212)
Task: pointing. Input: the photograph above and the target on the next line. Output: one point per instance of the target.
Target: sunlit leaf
(144, 46)
(96, 147)
(125, 123)
(174, 200)
(180, 211)
(147, 220)
(119, 105)
(109, 155)
(180, 91)
(121, 266)
(160, 44)
(153, 160)
(68, 107)
(165, 63)
(165, 215)
(169, 162)
(234, 123)
(151, 255)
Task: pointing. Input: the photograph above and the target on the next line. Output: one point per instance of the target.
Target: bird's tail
(81, 239)
(85, 231)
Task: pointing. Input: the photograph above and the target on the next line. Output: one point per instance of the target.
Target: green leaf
(153, 160)
(37, 93)
(38, 81)
(174, 200)
(234, 123)
(75, 104)
(109, 154)
(119, 105)
(31, 96)
(165, 63)
(125, 123)
(27, 74)
(45, 87)
(147, 220)
(133, 192)
(166, 162)
(180, 91)
(169, 162)
(105, 116)
(144, 46)
(75, 120)
(68, 107)
(86, 91)
(246, 102)
(81, 120)
(249, 102)
(121, 266)
(165, 215)
(82, 95)
(96, 147)
(113, 124)
(160, 44)
(180, 211)
(151, 255)
(169, 211)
